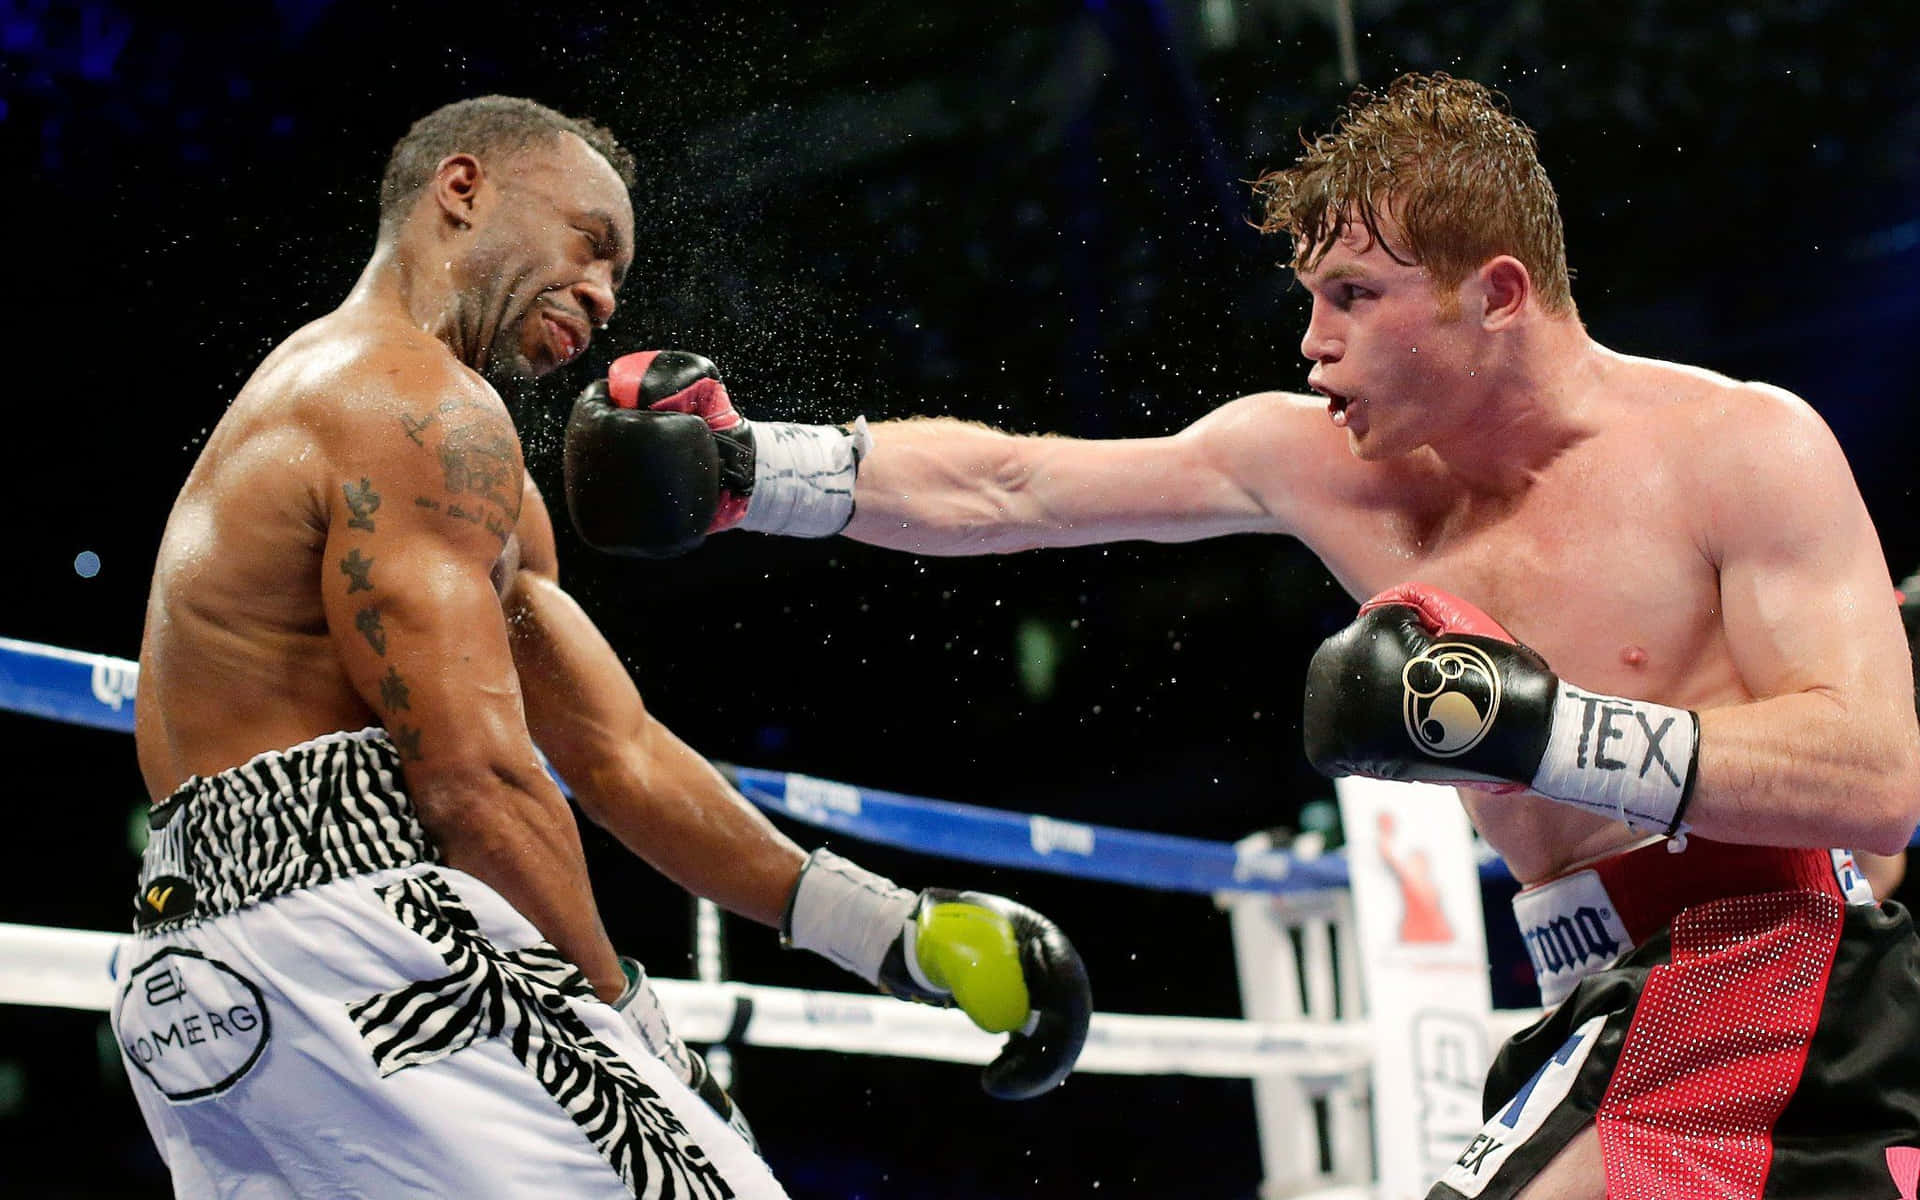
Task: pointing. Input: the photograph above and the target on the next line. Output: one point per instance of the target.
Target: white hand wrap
(1629, 760)
(803, 477)
(640, 1007)
(848, 914)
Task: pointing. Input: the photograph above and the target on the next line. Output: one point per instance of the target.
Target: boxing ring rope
(1308, 1048)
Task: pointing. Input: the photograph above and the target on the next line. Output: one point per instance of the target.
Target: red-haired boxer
(1691, 555)
(368, 959)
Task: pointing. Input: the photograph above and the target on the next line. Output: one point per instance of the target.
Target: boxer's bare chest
(1599, 566)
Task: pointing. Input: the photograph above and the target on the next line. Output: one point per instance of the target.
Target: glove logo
(1452, 696)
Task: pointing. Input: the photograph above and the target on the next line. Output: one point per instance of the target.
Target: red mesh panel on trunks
(1716, 1047)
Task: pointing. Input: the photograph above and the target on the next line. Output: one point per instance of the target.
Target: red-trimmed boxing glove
(1424, 686)
(657, 458)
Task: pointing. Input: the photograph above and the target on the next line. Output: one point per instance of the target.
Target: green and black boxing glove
(1007, 967)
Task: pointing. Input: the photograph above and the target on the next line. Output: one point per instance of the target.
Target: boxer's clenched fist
(1007, 967)
(657, 458)
(1424, 686)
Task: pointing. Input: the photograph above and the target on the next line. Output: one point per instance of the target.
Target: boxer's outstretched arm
(425, 489)
(1829, 753)
(629, 772)
(1007, 967)
(949, 487)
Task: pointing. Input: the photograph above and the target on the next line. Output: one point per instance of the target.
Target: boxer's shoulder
(1690, 399)
(1716, 441)
(366, 394)
(368, 408)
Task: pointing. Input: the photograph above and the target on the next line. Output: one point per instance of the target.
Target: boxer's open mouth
(1337, 404)
(568, 338)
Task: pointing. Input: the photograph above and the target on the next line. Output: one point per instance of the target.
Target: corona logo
(1452, 696)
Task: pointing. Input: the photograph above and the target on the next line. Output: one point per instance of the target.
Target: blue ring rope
(97, 690)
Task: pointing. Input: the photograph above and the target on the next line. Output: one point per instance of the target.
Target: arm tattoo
(367, 621)
(362, 501)
(393, 691)
(414, 427)
(355, 567)
(480, 462)
(406, 739)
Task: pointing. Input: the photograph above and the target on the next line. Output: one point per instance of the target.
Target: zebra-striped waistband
(288, 819)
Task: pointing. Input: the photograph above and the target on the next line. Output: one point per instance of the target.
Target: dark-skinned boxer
(368, 959)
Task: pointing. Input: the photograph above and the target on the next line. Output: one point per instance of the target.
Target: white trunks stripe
(519, 997)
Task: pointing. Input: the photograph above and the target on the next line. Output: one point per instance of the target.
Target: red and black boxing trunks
(1759, 1039)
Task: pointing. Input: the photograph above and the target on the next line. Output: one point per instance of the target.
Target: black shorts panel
(1857, 1096)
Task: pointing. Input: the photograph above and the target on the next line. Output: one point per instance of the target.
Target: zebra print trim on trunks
(520, 997)
(289, 819)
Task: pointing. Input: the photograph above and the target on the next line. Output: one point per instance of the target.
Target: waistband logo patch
(1571, 930)
(1572, 940)
(1854, 886)
(164, 898)
(191, 1024)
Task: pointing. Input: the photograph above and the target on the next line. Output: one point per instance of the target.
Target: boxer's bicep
(1806, 601)
(414, 530)
(1242, 468)
(538, 554)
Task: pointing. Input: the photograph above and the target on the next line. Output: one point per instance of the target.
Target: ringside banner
(1416, 895)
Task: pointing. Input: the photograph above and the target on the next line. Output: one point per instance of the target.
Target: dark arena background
(1031, 214)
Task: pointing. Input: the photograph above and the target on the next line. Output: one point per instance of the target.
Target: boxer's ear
(1504, 285)
(456, 187)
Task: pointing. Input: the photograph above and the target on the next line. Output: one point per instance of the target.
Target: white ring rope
(1292, 918)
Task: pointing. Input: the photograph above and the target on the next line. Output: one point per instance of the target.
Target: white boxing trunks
(312, 1006)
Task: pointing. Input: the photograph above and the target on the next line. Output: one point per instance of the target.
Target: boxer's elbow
(482, 806)
(621, 775)
(1890, 836)
(1899, 800)
(1885, 794)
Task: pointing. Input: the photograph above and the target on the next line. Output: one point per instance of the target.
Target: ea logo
(1452, 694)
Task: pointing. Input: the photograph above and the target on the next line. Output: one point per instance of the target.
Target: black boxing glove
(657, 458)
(1424, 686)
(1007, 967)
